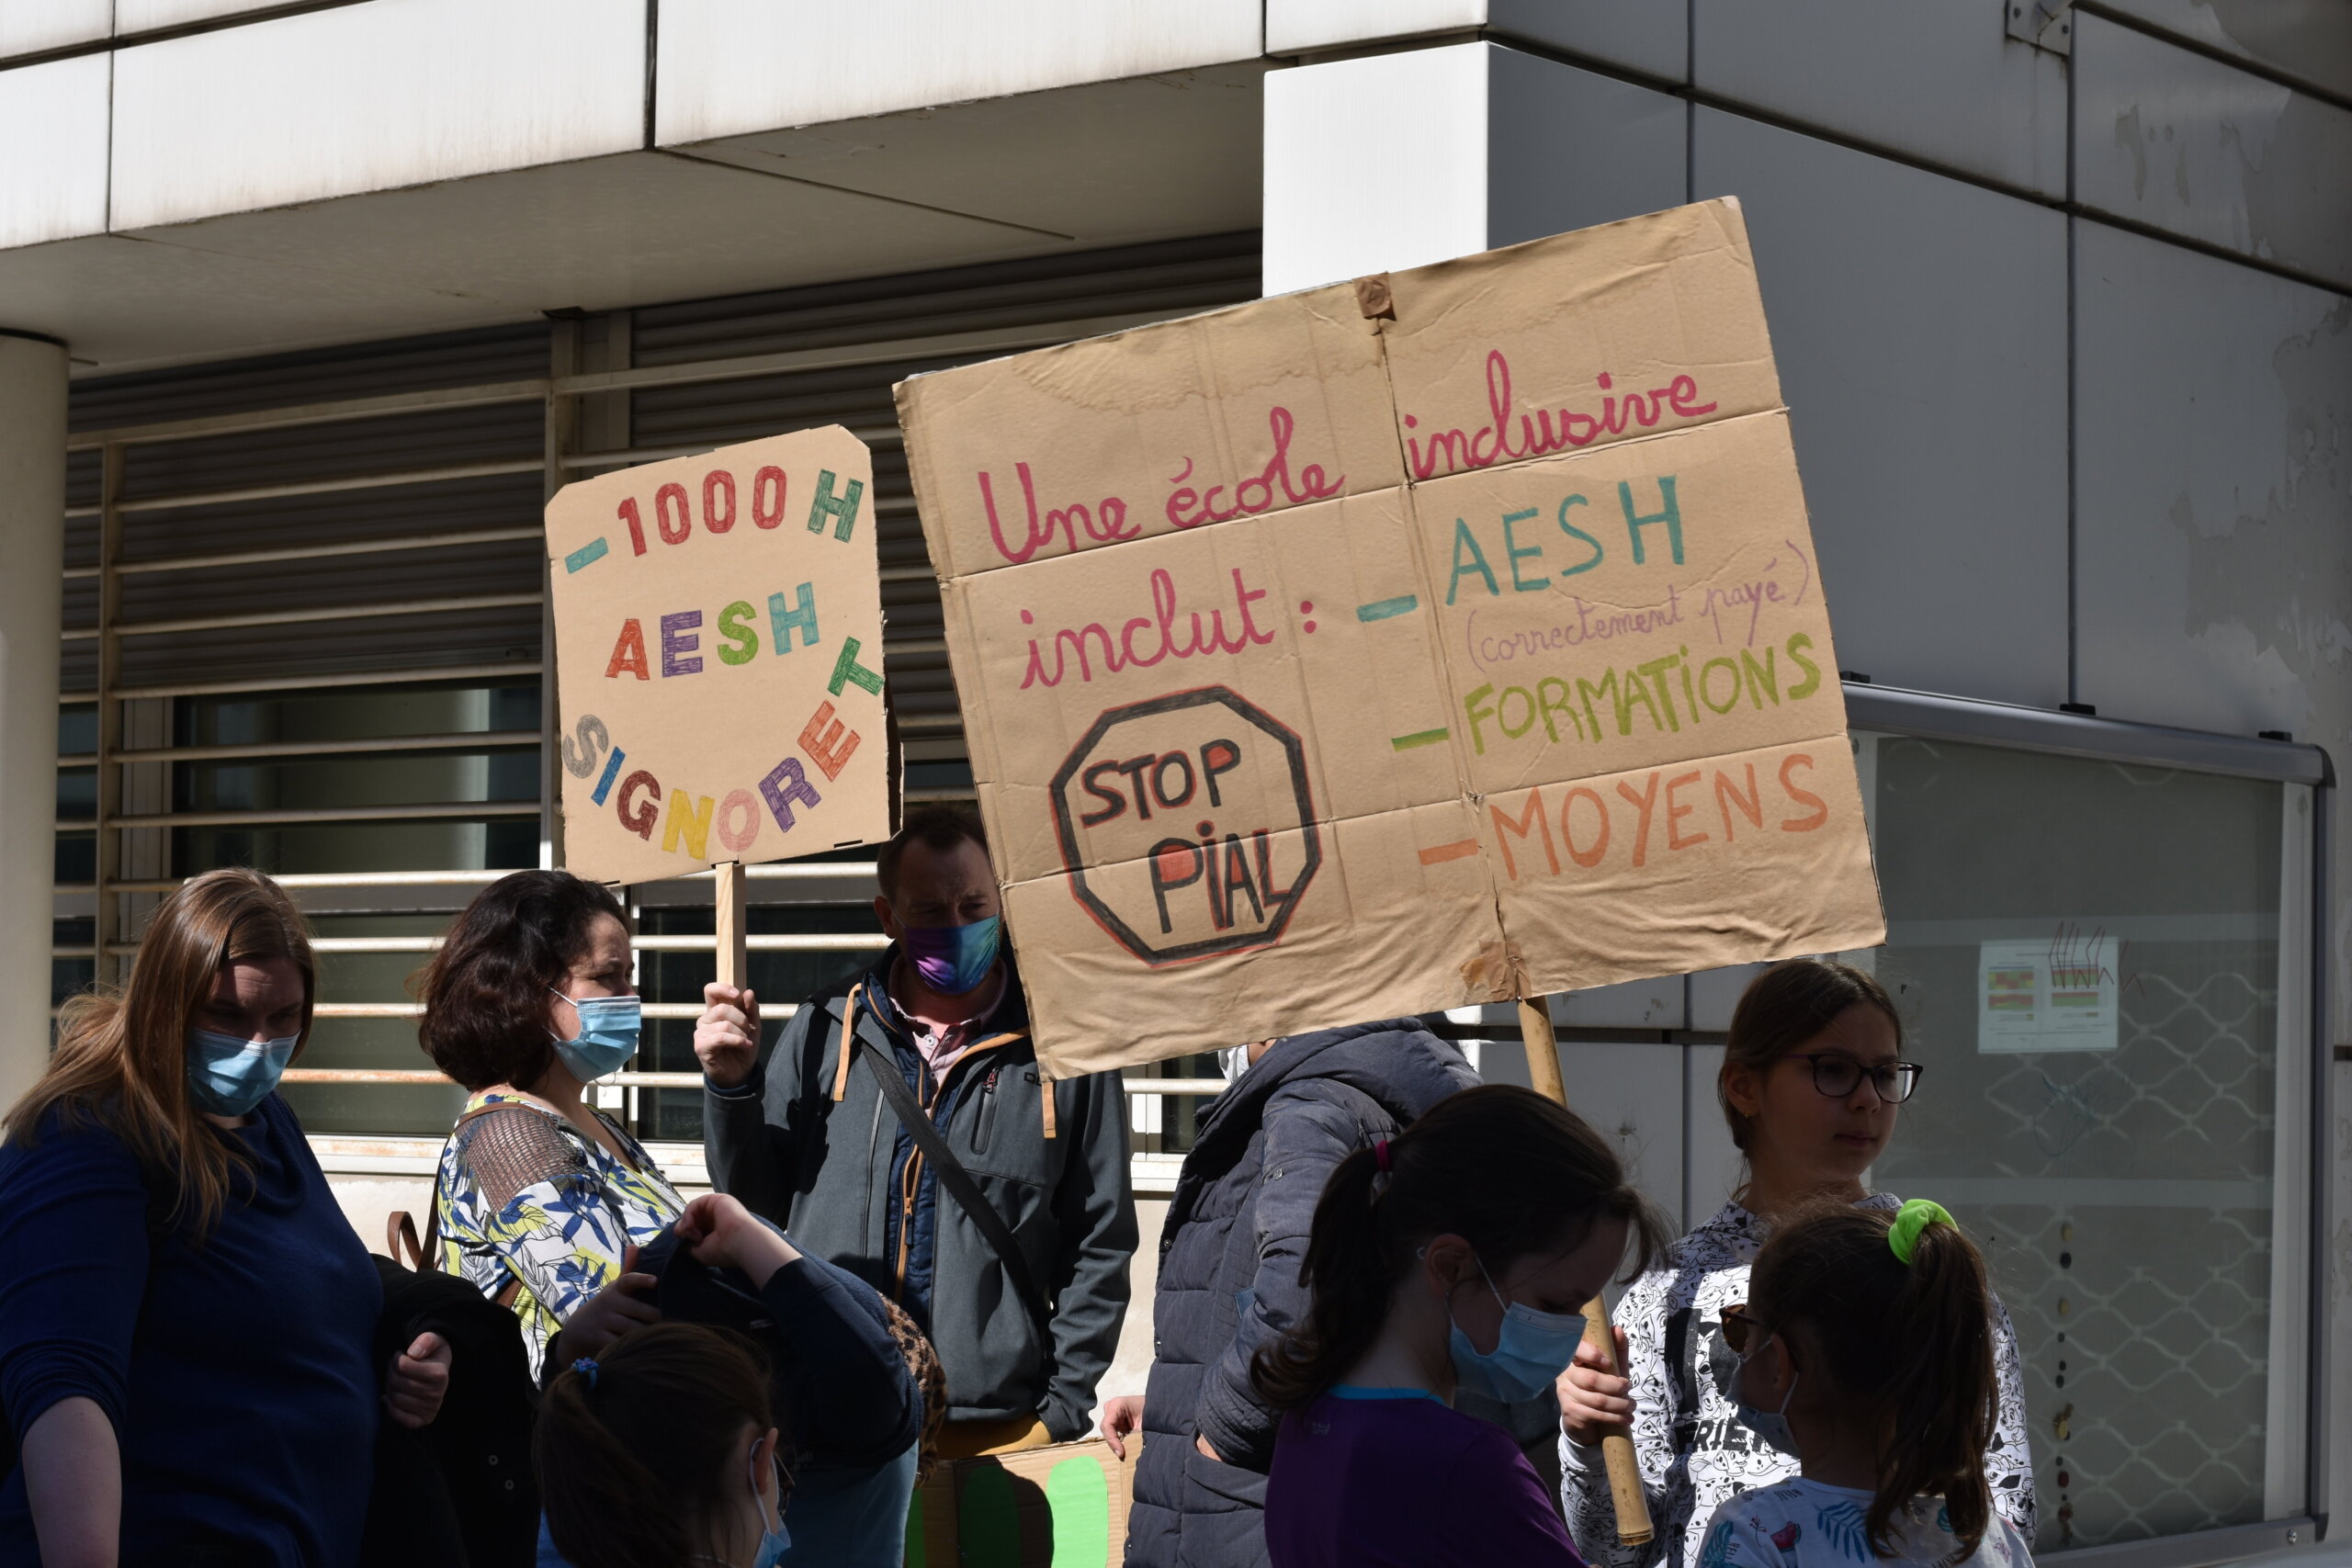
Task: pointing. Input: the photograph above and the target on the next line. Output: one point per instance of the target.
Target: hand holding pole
(1633, 1527)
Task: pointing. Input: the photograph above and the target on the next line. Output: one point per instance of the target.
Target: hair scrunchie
(586, 1369)
(1383, 1172)
(1915, 1216)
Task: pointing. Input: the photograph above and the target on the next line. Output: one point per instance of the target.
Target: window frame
(1936, 717)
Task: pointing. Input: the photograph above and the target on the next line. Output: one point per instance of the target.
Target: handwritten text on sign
(719, 631)
(1366, 651)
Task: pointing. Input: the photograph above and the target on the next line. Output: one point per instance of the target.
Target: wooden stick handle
(734, 942)
(1633, 1527)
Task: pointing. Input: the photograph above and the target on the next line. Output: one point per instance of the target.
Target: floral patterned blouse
(524, 1195)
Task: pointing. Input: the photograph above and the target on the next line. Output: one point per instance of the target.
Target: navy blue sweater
(238, 1373)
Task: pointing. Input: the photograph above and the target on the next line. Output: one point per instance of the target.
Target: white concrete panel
(1920, 327)
(1636, 1004)
(1566, 149)
(1714, 993)
(1938, 80)
(1355, 185)
(2309, 40)
(28, 27)
(1712, 1166)
(2194, 147)
(726, 67)
(52, 152)
(1631, 1093)
(2213, 524)
(1106, 163)
(1633, 1096)
(1653, 38)
(1296, 27)
(125, 304)
(606, 232)
(371, 97)
(1507, 146)
(145, 16)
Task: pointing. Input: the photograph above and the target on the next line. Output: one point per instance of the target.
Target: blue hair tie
(586, 1369)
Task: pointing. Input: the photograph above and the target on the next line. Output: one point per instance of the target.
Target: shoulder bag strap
(957, 1181)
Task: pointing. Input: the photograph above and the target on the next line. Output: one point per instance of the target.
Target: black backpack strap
(956, 1180)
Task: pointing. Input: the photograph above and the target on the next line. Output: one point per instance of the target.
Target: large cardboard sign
(718, 643)
(1445, 637)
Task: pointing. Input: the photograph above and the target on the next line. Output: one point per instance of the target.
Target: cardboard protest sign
(718, 640)
(1436, 639)
(1030, 1508)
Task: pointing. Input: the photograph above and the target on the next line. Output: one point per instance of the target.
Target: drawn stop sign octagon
(1187, 826)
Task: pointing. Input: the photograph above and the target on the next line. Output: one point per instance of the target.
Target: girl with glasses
(1866, 1344)
(1812, 1082)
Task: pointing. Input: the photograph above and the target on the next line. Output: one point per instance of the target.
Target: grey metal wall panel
(2191, 146)
(1712, 1166)
(2213, 520)
(1920, 325)
(2309, 40)
(1568, 149)
(1938, 80)
(1653, 38)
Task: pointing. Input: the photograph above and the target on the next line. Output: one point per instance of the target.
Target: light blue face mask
(774, 1542)
(609, 1027)
(1773, 1426)
(228, 1074)
(1533, 1349)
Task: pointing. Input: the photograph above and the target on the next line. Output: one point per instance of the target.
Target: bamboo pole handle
(1633, 1527)
(734, 941)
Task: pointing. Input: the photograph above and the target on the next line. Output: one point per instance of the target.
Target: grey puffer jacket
(1229, 1256)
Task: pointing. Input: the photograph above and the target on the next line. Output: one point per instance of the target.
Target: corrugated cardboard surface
(748, 727)
(1067, 1504)
(1322, 663)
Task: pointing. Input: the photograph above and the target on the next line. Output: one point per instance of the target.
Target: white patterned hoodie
(1695, 1452)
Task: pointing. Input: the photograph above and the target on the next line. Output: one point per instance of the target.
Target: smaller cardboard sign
(1031, 1508)
(2045, 994)
(719, 647)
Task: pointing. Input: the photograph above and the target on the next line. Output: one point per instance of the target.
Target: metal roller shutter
(304, 621)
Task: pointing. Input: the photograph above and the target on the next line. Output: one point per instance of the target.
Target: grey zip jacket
(846, 1180)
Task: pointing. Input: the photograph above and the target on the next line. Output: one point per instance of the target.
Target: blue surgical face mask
(1533, 1349)
(776, 1541)
(1773, 1426)
(228, 1074)
(607, 1037)
(953, 960)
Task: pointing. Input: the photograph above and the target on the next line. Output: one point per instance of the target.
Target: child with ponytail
(1457, 1255)
(1866, 1348)
(662, 1453)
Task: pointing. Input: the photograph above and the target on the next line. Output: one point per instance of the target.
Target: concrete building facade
(305, 308)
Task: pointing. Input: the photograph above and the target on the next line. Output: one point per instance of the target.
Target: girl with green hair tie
(1866, 1343)
(1813, 1083)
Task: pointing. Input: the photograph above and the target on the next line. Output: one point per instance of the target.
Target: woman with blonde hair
(186, 1316)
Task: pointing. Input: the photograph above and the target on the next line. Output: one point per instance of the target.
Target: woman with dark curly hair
(541, 1199)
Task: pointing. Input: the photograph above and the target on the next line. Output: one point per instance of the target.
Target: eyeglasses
(1740, 1327)
(1838, 1076)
